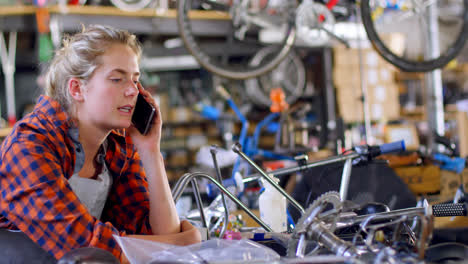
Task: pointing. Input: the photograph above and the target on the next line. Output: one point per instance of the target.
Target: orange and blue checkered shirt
(38, 157)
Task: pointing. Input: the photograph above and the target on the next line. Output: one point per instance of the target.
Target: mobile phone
(143, 115)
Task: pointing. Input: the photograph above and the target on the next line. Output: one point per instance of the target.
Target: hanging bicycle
(258, 23)
(246, 17)
(410, 20)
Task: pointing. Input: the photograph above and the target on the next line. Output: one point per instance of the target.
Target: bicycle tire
(290, 75)
(130, 6)
(247, 72)
(413, 65)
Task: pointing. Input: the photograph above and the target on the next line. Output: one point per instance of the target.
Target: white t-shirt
(93, 192)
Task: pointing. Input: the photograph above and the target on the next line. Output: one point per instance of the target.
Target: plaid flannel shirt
(38, 158)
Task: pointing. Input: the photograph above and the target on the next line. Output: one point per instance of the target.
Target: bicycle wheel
(130, 5)
(290, 75)
(237, 30)
(409, 19)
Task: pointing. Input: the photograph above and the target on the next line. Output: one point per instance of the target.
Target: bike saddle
(88, 255)
(450, 252)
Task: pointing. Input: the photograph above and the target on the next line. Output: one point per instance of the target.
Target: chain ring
(331, 197)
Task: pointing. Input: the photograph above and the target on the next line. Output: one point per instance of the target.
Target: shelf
(149, 20)
(15, 10)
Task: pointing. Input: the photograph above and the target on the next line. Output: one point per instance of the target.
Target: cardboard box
(350, 80)
(350, 106)
(381, 93)
(465, 179)
(420, 179)
(350, 74)
(449, 183)
(408, 133)
(462, 131)
(351, 110)
(345, 56)
(392, 110)
(388, 110)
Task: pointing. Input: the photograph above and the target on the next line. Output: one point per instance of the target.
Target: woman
(76, 171)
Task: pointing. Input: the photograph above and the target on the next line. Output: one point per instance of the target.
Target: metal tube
(8, 55)
(250, 179)
(220, 180)
(176, 193)
(181, 182)
(236, 148)
(433, 79)
(346, 175)
(286, 171)
(196, 193)
(408, 212)
(364, 89)
(335, 244)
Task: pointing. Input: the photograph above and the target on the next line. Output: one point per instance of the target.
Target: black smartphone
(143, 115)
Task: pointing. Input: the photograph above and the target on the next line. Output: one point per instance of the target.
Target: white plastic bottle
(272, 206)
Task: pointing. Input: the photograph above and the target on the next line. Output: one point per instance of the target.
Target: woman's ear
(75, 87)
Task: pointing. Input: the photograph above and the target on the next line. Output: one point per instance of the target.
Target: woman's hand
(149, 143)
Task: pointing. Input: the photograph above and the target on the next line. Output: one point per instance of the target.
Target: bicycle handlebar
(396, 146)
(449, 209)
(374, 151)
(436, 210)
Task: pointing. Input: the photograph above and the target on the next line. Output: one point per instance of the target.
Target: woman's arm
(163, 213)
(37, 199)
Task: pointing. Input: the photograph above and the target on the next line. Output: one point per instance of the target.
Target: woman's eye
(116, 80)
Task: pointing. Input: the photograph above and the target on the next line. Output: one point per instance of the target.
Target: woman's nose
(131, 89)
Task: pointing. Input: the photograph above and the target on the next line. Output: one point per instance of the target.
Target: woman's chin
(123, 125)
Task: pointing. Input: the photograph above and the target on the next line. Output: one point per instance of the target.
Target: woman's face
(110, 94)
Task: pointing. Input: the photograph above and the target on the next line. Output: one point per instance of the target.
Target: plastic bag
(139, 251)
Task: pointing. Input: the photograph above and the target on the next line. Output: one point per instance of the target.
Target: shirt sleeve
(37, 198)
(128, 203)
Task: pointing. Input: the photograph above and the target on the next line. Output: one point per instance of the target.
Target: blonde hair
(80, 56)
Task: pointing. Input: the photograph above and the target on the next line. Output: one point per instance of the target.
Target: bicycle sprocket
(331, 197)
(311, 214)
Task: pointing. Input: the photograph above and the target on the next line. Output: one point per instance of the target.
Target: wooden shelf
(146, 21)
(18, 10)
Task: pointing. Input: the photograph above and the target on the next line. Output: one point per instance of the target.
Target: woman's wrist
(152, 160)
(151, 151)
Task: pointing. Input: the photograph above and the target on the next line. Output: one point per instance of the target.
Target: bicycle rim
(232, 61)
(130, 5)
(289, 75)
(453, 30)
